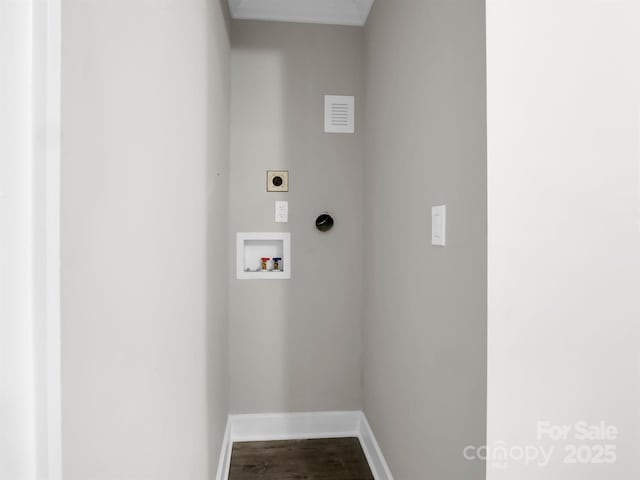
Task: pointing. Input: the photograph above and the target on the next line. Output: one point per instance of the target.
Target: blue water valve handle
(276, 263)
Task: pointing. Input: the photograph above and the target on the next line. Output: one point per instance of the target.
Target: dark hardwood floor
(320, 459)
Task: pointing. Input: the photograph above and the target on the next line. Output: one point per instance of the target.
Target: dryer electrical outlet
(277, 180)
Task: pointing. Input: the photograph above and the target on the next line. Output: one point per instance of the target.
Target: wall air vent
(339, 114)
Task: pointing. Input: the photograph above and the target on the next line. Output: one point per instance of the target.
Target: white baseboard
(224, 462)
(377, 463)
(293, 426)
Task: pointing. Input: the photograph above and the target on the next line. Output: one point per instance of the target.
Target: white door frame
(30, 238)
(50, 27)
(47, 97)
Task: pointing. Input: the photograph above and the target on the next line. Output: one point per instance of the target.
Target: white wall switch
(439, 225)
(282, 211)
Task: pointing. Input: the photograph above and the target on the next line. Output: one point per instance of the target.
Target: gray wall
(425, 317)
(145, 118)
(296, 345)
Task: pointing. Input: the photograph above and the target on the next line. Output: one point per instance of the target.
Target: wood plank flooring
(318, 459)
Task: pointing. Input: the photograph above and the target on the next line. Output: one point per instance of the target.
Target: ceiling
(334, 12)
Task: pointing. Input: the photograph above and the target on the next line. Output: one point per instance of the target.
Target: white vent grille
(339, 114)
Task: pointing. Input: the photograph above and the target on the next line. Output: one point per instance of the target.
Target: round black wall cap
(324, 222)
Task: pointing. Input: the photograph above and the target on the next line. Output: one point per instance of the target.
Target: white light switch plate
(439, 225)
(282, 211)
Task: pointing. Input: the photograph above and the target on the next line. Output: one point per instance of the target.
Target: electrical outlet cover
(439, 225)
(282, 211)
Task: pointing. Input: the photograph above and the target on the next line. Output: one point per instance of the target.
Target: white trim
(224, 462)
(292, 426)
(53, 287)
(46, 94)
(333, 12)
(372, 451)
